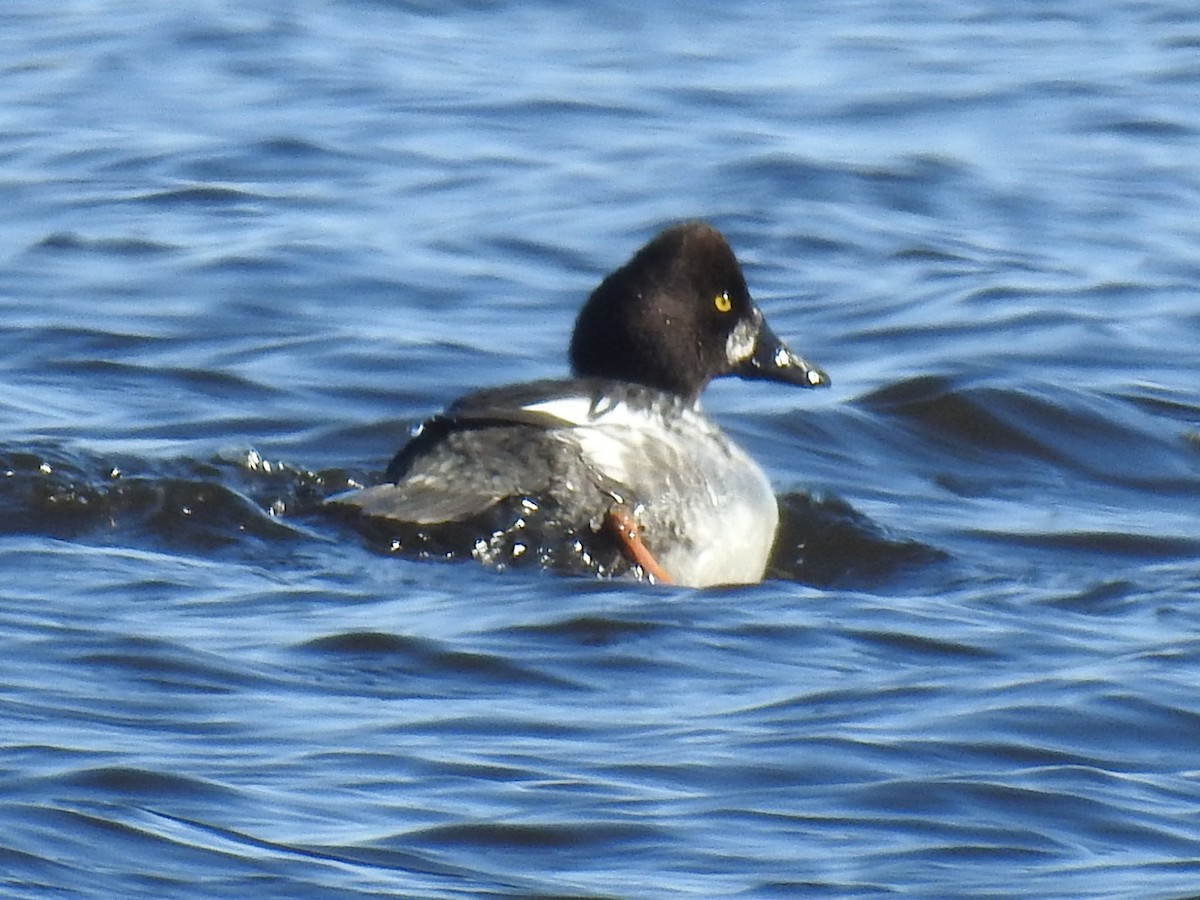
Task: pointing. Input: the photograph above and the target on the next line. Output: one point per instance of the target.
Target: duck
(615, 471)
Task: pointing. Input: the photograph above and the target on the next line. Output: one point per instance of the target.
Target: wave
(240, 500)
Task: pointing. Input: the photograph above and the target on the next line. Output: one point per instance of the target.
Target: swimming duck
(616, 470)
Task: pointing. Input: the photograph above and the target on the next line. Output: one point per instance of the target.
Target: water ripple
(248, 246)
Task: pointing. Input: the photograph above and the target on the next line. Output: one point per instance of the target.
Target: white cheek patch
(740, 344)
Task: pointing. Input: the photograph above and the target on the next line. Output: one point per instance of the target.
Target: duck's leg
(620, 520)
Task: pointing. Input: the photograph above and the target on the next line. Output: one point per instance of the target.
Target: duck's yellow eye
(722, 302)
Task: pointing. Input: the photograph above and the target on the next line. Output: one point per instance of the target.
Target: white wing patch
(706, 504)
(568, 410)
(582, 412)
(609, 434)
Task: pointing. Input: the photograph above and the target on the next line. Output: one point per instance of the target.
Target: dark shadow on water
(239, 503)
(199, 506)
(824, 541)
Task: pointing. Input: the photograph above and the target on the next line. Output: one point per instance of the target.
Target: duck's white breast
(706, 509)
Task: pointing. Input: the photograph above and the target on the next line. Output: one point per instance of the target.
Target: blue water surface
(245, 246)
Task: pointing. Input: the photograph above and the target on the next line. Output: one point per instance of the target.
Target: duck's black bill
(774, 360)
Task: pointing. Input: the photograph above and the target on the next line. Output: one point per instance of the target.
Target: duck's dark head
(679, 314)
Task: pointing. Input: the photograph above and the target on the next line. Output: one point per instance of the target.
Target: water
(244, 248)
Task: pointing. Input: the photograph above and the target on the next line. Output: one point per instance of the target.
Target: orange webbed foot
(620, 520)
